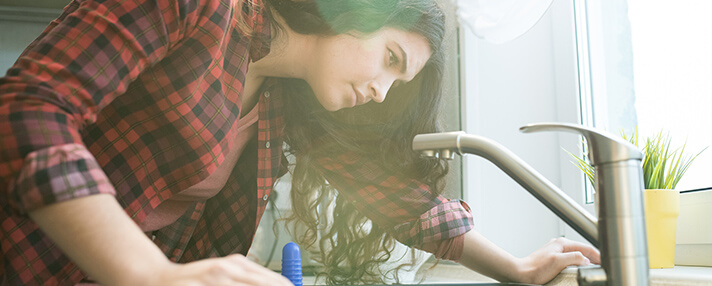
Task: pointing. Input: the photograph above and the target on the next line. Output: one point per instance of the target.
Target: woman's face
(354, 69)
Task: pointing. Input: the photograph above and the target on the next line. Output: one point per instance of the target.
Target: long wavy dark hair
(335, 233)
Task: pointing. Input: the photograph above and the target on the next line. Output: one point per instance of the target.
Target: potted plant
(663, 168)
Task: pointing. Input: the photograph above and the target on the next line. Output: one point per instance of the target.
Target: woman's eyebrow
(404, 66)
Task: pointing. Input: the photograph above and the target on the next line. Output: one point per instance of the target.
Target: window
(505, 86)
(673, 76)
(647, 64)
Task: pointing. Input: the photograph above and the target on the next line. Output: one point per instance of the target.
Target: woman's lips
(358, 97)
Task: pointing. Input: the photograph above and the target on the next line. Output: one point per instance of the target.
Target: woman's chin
(332, 106)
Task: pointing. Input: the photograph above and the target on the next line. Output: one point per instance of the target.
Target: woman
(141, 140)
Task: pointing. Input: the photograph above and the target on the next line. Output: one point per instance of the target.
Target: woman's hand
(485, 257)
(230, 270)
(547, 262)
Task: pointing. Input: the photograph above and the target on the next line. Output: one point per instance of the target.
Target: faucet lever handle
(604, 147)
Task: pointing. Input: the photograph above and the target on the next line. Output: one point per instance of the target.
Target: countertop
(679, 275)
(449, 273)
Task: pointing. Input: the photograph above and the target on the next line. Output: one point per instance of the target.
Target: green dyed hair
(344, 241)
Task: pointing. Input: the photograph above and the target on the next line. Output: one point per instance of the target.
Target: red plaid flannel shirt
(138, 99)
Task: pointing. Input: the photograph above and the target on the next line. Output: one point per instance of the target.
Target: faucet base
(593, 275)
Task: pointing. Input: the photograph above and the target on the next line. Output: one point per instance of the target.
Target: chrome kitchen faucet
(619, 231)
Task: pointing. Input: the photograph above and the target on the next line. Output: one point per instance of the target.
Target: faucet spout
(619, 231)
(541, 188)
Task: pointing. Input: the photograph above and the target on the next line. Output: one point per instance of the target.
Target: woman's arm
(485, 257)
(101, 239)
(96, 233)
(420, 218)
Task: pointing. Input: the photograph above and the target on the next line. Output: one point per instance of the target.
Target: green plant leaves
(582, 164)
(662, 167)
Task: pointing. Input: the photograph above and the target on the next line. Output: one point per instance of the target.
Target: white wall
(505, 86)
(15, 34)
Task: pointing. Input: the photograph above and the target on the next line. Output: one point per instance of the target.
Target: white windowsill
(679, 275)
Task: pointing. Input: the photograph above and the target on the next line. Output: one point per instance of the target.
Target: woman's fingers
(573, 258)
(548, 261)
(230, 270)
(254, 274)
(249, 266)
(589, 251)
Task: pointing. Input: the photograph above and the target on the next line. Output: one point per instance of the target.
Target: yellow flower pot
(662, 208)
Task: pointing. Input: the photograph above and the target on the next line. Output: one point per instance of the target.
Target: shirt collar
(261, 26)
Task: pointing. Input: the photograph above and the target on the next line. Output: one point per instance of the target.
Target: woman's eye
(392, 59)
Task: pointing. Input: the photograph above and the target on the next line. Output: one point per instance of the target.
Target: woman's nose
(379, 89)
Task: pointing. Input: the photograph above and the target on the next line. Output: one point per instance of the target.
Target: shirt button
(267, 145)
(266, 93)
(265, 197)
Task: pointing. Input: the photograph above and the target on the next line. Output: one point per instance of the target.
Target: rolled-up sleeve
(80, 63)
(58, 173)
(444, 221)
(406, 208)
